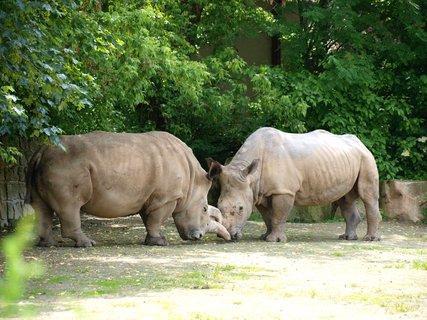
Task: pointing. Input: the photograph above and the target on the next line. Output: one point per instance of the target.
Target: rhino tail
(30, 179)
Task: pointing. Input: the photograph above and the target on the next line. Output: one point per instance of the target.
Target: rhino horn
(219, 229)
(215, 223)
(215, 214)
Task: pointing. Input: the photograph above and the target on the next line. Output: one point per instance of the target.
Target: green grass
(393, 303)
(201, 277)
(338, 254)
(419, 265)
(366, 247)
(395, 266)
(256, 216)
(58, 279)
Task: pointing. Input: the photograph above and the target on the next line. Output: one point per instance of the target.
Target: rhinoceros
(113, 175)
(274, 171)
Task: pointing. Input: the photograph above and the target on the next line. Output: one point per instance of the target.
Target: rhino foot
(155, 241)
(264, 236)
(369, 237)
(348, 237)
(85, 242)
(275, 238)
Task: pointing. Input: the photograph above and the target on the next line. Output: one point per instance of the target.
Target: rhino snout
(195, 235)
(236, 234)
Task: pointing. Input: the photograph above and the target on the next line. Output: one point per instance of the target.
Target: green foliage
(38, 72)
(17, 271)
(367, 67)
(347, 66)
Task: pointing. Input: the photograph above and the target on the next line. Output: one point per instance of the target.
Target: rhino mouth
(191, 235)
(235, 233)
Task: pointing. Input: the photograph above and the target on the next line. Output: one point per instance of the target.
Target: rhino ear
(215, 168)
(250, 168)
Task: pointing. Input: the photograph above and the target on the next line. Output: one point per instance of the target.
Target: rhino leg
(369, 193)
(45, 217)
(153, 220)
(352, 219)
(71, 227)
(266, 216)
(281, 206)
(373, 218)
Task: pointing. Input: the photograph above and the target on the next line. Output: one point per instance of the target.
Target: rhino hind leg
(71, 227)
(44, 218)
(351, 215)
(369, 193)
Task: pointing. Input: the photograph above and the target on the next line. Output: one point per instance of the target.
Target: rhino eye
(241, 208)
(205, 209)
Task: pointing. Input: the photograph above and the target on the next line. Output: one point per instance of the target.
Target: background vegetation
(353, 66)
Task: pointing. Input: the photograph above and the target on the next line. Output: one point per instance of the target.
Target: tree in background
(346, 66)
(365, 62)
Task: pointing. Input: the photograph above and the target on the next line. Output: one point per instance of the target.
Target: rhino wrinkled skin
(274, 171)
(113, 175)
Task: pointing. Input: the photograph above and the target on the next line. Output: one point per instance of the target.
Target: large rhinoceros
(276, 170)
(113, 175)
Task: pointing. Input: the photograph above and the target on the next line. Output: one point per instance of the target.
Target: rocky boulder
(403, 200)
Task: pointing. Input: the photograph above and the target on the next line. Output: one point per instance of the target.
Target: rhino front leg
(281, 206)
(153, 220)
(266, 216)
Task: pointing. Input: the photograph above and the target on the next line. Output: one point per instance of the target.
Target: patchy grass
(338, 254)
(314, 275)
(392, 303)
(395, 266)
(419, 265)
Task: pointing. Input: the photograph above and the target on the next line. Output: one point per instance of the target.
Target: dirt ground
(312, 276)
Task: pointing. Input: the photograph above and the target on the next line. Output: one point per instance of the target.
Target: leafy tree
(38, 72)
(347, 66)
(366, 62)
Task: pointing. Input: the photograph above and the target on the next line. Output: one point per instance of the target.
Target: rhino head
(237, 196)
(199, 217)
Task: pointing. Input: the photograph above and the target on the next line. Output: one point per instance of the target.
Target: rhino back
(116, 174)
(317, 167)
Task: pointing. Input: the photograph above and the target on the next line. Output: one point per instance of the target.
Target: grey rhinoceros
(113, 175)
(274, 171)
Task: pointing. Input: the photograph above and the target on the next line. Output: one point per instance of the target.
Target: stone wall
(12, 185)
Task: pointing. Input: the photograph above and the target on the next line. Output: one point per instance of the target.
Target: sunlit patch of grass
(414, 251)
(338, 254)
(202, 316)
(313, 293)
(393, 303)
(395, 266)
(366, 247)
(419, 265)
